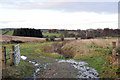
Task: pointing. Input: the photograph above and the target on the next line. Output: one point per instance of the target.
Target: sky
(53, 14)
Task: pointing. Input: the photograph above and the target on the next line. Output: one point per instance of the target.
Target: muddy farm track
(55, 68)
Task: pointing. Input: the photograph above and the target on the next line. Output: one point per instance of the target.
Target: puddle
(83, 70)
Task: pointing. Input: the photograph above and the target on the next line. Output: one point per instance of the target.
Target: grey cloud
(109, 7)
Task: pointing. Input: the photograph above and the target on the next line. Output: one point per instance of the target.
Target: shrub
(47, 39)
(52, 38)
(76, 37)
(62, 38)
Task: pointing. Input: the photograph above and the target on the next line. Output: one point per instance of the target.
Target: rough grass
(31, 50)
(102, 62)
(74, 49)
(97, 53)
(24, 69)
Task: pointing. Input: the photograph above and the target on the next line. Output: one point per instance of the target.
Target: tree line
(28, 32)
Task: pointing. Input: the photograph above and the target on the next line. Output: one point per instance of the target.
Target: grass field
(10, 33)
(51, 34)
(99, 56)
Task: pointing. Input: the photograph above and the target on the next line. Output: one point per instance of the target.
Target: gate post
(12, 55)
(3, 58)
(113, 51)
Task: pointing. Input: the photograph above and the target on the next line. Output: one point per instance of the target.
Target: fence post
(12, 55)
(118, 52)
(3, 58)
(113, 52)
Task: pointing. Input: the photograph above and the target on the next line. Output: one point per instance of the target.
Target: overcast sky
(58, 15)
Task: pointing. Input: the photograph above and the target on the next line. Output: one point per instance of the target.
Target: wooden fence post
(118, 58)
(12, 55)
(3, 58)
(113, 51)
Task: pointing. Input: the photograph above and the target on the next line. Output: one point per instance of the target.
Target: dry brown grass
(7, 39)
(102, 43)
(74, 48)
(79, 48)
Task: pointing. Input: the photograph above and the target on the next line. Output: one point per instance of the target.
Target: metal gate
(17, 55)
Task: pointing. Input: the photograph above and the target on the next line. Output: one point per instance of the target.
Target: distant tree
(76, 37)
(47, 38)
(52, 38)
(53, 31)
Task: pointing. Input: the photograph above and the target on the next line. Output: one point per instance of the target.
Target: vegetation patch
(10, 33)
(74, 49)
(98, 55)
(22, 70)
(100, 59)
(51, 34)
(31, 50)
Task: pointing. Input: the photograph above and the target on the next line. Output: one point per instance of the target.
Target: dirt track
(26, 39)
(7, 39)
